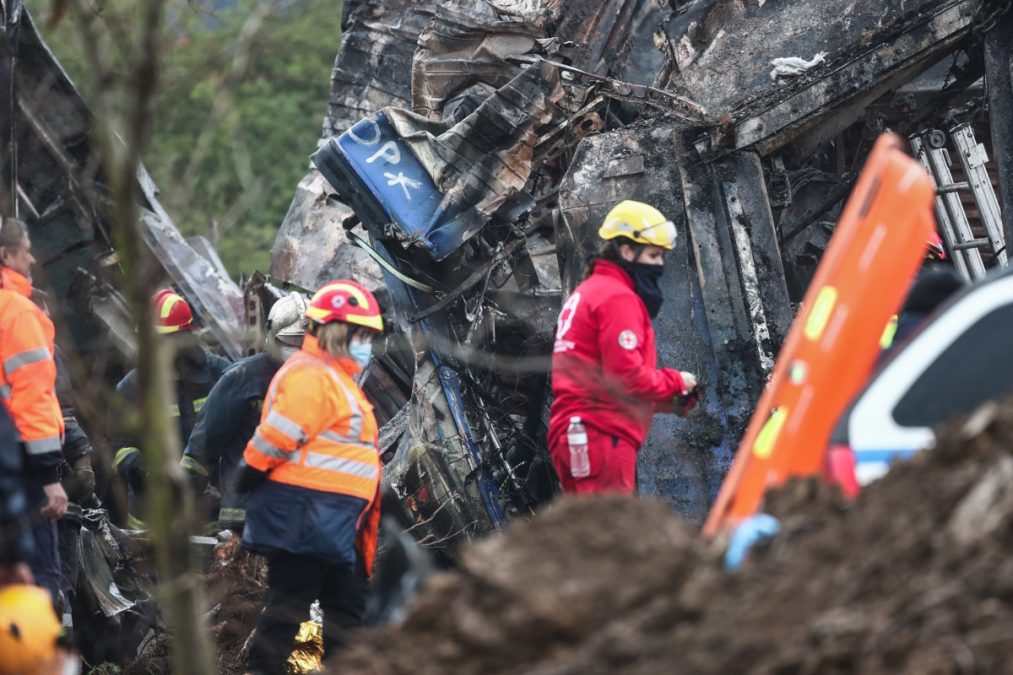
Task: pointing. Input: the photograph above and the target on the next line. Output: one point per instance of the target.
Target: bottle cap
(574, 420)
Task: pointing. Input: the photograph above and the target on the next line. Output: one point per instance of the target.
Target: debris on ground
(914, 577)
(236, 581)
(236, 584)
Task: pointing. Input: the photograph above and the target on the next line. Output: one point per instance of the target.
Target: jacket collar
(344, 363)
(13, 281)
(610, 269)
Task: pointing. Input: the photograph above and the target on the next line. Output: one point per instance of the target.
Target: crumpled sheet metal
(59, 176)
(431, 472)
(372, 71)
(483, 161)
(374, 64)
(311, 248)
(441, 185)
(217, 299)
(463, 52)
(724, 51)
(613, 37)
(308, 654)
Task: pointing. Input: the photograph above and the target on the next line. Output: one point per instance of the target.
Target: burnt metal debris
(61, 194)
(53, 180)
(473, 148)
(469, 151)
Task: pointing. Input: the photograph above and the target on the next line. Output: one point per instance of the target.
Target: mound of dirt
(236, 585)
(914, 577)
(236, 581)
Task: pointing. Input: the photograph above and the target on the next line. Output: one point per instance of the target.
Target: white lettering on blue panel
(392, 174)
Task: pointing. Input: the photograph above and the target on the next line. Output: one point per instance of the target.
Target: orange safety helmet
(935, 249)
(347, 301)
(172, 312)
(28, 630)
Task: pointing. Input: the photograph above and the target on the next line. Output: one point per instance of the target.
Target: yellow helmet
(639, 222)
(28, 629)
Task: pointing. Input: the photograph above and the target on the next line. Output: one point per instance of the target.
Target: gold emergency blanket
(308, 654)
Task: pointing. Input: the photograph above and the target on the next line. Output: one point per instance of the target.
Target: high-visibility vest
(28, 373)
(317, 429)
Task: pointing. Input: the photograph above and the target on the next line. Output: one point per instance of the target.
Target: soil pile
(236, 585)
(236, 581)
(915, 577)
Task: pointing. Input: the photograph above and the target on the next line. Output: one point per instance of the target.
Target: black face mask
(647, 284)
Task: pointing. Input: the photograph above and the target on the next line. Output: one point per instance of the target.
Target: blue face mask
(361, 352)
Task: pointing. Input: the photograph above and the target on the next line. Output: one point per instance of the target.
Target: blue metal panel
(398, 182)
(450, 383)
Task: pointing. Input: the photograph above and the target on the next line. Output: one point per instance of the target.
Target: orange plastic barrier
(831, 349)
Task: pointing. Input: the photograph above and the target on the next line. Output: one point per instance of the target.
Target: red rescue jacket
(604, 364)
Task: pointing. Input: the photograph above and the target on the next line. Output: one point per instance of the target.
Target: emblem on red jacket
(628, 340)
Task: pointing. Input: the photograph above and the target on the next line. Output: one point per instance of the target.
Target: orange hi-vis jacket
(317, 441)
(28, 375)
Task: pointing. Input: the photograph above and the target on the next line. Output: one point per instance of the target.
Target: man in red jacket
(604, 365)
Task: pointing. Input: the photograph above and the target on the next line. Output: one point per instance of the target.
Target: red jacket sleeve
(622, 345)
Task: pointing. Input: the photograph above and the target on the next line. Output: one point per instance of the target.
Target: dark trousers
(69, 530)
(293, 583)
(45, 561)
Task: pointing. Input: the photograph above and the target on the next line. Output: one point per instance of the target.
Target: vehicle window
(975, 368)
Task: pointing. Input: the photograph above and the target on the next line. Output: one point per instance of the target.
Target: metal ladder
(954, 227)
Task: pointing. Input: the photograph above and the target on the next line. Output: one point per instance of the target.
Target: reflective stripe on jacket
(317, 435)
(228, 421)
(28, 374)
(192, 385)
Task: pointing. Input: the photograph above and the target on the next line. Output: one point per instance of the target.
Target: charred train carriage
(472, 149)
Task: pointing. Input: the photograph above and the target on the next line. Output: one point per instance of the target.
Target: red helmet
(345, 300)
(172, 313)
(935, 250)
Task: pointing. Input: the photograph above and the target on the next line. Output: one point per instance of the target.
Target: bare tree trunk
(127, 111)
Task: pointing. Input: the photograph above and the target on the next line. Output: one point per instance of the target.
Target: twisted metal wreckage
(479, 144)
(472, 147)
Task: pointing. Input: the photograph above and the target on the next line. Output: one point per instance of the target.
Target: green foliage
(243, 94)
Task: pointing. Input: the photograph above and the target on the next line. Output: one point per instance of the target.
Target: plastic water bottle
(576, 438)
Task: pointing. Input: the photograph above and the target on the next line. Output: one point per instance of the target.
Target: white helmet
(286, 321)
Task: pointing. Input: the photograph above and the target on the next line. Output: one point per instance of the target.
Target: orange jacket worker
(28, 390)
(315, 464)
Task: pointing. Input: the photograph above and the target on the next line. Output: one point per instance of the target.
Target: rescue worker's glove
(248, 478)
(79, 480)
(682, 404)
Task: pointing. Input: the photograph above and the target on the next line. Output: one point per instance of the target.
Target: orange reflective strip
(267, 448)
(257, 459)
(325, 480)
(285, 426)
(319, 460)
(24, 358)
(356, 453)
